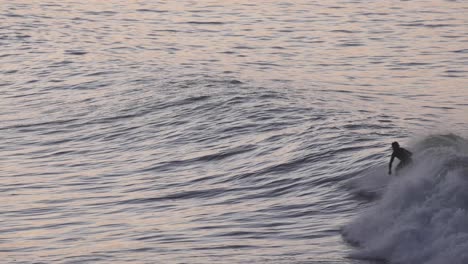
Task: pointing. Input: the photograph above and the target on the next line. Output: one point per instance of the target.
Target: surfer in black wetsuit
(402, 154)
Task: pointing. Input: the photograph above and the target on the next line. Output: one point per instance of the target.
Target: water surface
(209, 131)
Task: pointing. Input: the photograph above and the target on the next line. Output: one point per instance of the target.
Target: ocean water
(233, 131)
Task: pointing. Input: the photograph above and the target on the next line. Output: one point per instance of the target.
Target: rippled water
(210, 131)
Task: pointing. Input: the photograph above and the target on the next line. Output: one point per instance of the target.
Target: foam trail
(422, 215)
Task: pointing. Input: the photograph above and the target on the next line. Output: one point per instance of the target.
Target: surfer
(402, 154)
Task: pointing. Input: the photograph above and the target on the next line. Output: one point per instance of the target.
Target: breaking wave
(420, 216)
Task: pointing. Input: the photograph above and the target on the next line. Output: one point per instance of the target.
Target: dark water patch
(244, 47)
(384, 121)
(452, 36)
(283, 31)
(76, 52)
(7, 84)
(336, 91)
(23, 249)
(143, 249)
(415, 24)
(228, 52)
(55, 142)
(351, 44)
(350, 149)
(247, 234)
(270, 95)
(164, 30)
(455, 71)
(282, 80)
(344, 31)
(439, 107)
(83, 19)
(212, 227)
(100, 13)
(33, 212)
(367, 98)
(22, 36)
(400, 69)
(100, 73)
(61, 153)
(8, 54)
(37, 126)
(438, 25)
(206, 179)
(124, 115)
(364, 111)
(205, 22)
(149, 237)
(264, 63)
(50, 5)
(200, 11)
(63, 224)
(237, 100)
(410, 64)
(416, 96)
(226, 247)
(191, 100)
(61, 63)
(364, 126)
(9, 71)
(181, 195)
(235, 82)
(226, 153)
(12, 15)
(151, 10)
(452, 76)
(374, 14)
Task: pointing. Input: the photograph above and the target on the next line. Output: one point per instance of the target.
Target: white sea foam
(422, 214)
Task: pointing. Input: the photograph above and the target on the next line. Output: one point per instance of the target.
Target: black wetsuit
(403, 155)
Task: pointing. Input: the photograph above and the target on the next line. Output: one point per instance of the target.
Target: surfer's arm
(390, 165)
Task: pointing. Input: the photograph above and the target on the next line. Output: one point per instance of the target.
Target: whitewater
(419, 216)
(233, 131)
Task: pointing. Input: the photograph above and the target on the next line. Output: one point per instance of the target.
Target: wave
(420, 216)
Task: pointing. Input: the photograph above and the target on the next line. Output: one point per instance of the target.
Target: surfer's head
(395, 145)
